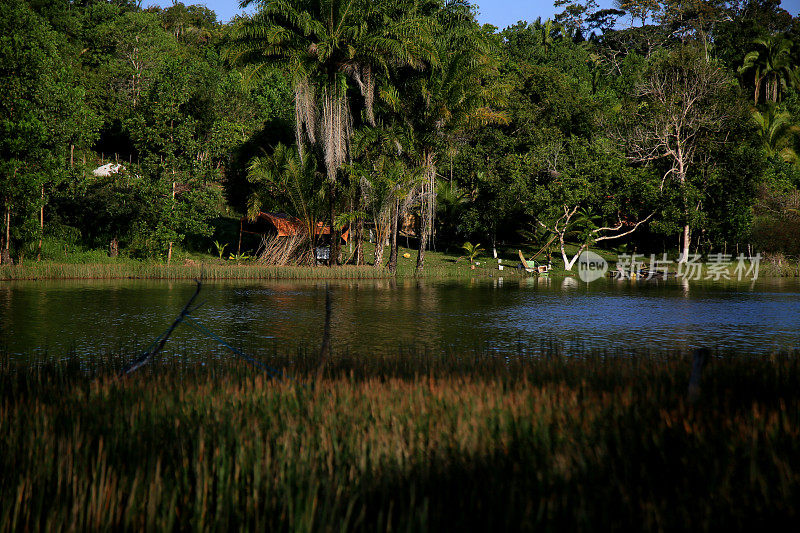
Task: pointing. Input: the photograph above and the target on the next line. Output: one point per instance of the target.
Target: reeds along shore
(144, 270)
(439, 266)
(136, 270)
(410, 442)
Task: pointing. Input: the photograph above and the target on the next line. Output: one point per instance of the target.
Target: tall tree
(679, 111)
(459, 92)
(594, 197)
(325, 44)
(771, 65)
(387, 178)
(642, 10)
(576, 13)
(41, 103)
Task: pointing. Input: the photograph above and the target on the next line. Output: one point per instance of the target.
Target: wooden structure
(278, 225)
(531, 266)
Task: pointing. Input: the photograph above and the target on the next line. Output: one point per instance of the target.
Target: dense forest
(658, 126)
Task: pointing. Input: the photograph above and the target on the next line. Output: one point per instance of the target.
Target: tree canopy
(661, 124)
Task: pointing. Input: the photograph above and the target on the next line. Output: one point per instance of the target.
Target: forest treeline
(661, 126)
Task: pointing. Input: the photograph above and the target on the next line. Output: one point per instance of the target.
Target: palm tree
(325, 45)
(291, 176)
(472, 250)
(386, 182)
(771, 66)
(449, 99)
(545, 30)
(777, 133)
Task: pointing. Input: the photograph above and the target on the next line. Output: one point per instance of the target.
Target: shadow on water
(380, 317)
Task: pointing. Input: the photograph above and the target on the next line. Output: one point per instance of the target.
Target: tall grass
(144, 270)
(408, 442)
(124, 269)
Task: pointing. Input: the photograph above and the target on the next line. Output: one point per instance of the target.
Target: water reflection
(372, 317)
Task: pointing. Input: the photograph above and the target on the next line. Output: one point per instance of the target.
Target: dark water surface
(96, 317)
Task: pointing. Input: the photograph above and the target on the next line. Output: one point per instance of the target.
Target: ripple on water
(371, 317)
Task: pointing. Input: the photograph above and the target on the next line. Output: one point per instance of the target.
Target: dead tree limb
(147, 356)
(325, 350)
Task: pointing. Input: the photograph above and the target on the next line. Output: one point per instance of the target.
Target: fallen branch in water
(147, 356)
(325, 350)
(185, 316)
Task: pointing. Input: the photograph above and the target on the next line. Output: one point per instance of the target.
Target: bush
(776, 225)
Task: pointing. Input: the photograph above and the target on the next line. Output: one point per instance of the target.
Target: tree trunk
(427, 208)
(564, 257)
(359, 236)
(423, 239)
(8, 226)
(685, 245)
(334, 234)
(169, 252)
(71, 155)
(6, 251)
(684, 256)
(312, 241)
(395, 224)
(775, 93)
(569, 263)
(758, 89)
(5, 256)
(380, 242)
(41, 226)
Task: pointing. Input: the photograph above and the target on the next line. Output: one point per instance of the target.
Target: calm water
(94, 317)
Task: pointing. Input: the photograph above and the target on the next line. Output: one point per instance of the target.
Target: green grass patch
(95, 264)
(192, 265)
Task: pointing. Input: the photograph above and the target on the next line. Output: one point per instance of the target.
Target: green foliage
(771, 65)
(778, 133)
(472, 250)
(401, 109)
(220, 248)
(41, 113)
(289, 181)
(776, 224)
(238, 258)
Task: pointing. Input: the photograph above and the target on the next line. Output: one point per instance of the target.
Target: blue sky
(501, 13)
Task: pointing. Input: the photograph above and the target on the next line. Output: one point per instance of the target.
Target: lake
(93, 318)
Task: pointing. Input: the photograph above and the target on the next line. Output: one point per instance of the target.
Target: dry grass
(438, 265)
(282, 251)
(411, 442)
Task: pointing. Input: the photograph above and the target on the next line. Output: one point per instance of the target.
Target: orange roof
(285, 224)
(288, 225)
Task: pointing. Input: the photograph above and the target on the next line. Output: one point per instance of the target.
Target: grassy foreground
(411, 442)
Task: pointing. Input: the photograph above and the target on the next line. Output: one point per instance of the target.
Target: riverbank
(412, 442)
(437, 265)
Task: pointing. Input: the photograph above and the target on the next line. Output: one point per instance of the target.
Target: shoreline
(47, 271)
(438, 265)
